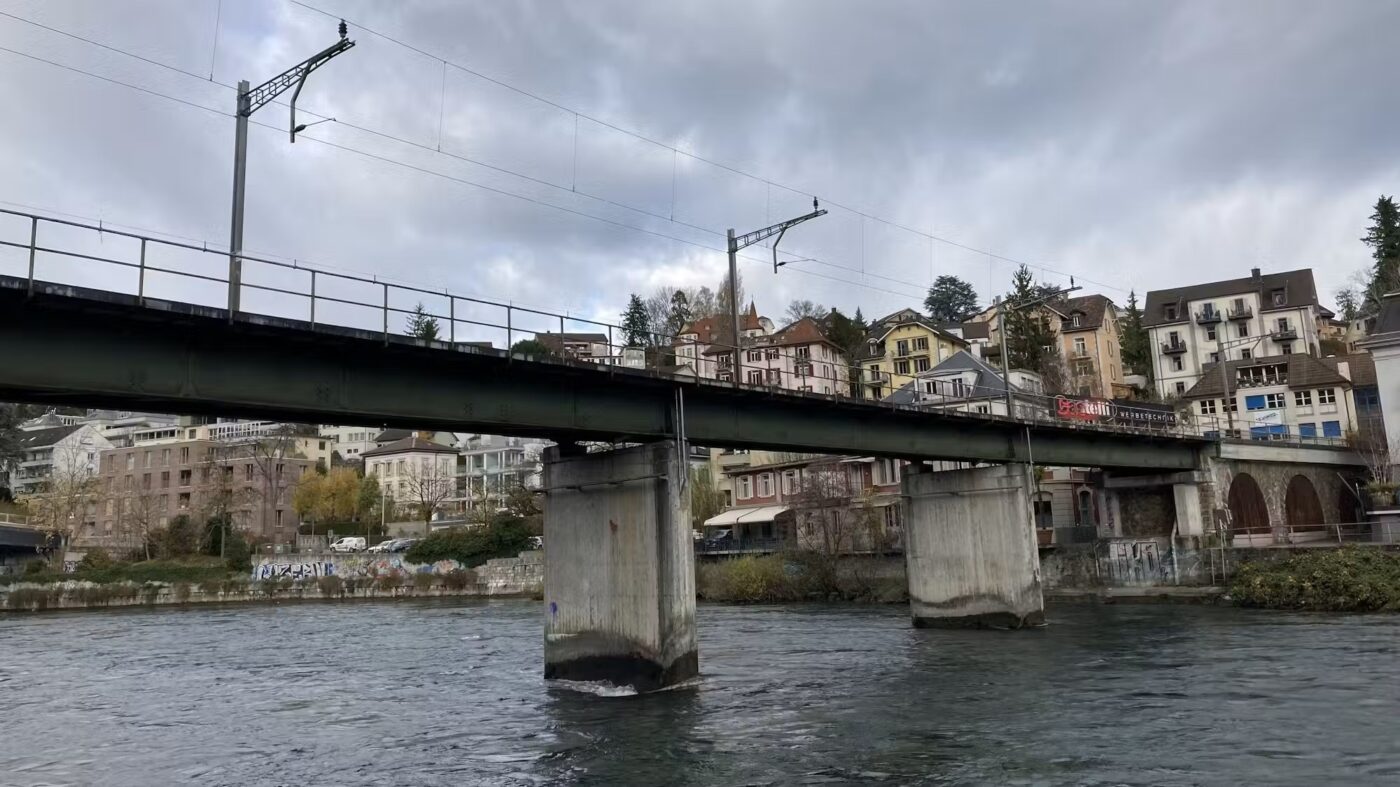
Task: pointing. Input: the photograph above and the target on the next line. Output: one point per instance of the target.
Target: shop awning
(738, 516)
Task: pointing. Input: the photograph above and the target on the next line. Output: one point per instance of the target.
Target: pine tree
(636, 326)
(679, 316)
(1031, 341)
(1347, 307)
(422, 325)
(1383, 236)
(1137, 354)
(950, 299)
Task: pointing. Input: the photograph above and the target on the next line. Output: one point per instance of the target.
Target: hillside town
(1258, 356)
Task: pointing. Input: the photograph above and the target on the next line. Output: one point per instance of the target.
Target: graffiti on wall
(348, 567)
(1141, 562)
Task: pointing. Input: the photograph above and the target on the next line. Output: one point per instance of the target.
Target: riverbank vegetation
(796, 576)
(504, 535)
(1352, 579)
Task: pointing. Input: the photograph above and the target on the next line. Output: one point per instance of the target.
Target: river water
(450, 693)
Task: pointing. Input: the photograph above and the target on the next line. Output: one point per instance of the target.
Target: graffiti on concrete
(1142, 562)
(348, 567)
(281, 570)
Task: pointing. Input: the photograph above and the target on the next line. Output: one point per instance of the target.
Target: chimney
(1254, 274)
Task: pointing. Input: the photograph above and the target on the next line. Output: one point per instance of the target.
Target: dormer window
(1074, 321)
(1169, 311)
(1278, 296)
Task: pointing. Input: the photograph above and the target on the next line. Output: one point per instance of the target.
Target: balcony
(1207, 317)
(1285, 333)
(1241, 311)
(1173, 348)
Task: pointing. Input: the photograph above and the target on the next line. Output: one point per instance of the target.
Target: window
(773, 376)
(1254, 402)
(1327, 396)
(921, 365)
(184, 478)
(802, 353)
(754, 356)
(145, 480)
(165, 457)
(901, 347)
(982, 408)
(1243, 330)
(771, 354)
(921, 343)
(1210, 333)
(1215, 357)
(1079, 346)
(1278, 296)
(754, 376)
(1331, 428)
(1180, 388)
(789, 482)
(1207, 407)
(745, 488)
(1307, 430)
(1273, 401)
(1302, 398)
(1169, 311)
(146, 459)
(1282, 325)
(901, 367)
(1246, 354)
(1174, 339)
(1286, 348)
(130, 461)
(184, 456)
(765, 485)
(1177, 364)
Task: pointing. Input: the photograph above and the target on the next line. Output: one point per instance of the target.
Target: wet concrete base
(987, 620)
(639, 673)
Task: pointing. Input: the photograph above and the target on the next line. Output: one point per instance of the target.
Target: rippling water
(451, 693)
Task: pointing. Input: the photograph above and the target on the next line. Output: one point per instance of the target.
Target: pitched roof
(1304, 371)
(39, 438)
(804, 331)
(880, 330)
(409, 445)
(1389, 319)
(1298, 288)
(988, 384)
(1361, 367)
(1092, 309)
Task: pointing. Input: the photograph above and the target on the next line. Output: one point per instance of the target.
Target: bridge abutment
(971, 551)
(619, 581)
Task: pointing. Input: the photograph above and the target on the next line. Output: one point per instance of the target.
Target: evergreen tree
(1137, 349)
(1031, 341)
(1347, 307)
(679, 316)
(1383, 236)
(722, 296)
(636, 326)
(950, 299)
(848, 334)
(422, 325)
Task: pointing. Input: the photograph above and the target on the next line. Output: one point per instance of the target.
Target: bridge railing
(98, 256)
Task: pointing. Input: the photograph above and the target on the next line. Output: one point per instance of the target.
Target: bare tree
(428, 483)
(140, 517)
(65, 497)
(798, 309)
(1374, 452)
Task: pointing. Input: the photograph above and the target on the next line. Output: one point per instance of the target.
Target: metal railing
(740, 546)
(316, 294)
(1293, 535)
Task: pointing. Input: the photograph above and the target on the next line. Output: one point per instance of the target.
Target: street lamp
(743, 242)
(250, 101)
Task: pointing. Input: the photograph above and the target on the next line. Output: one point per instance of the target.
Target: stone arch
(1303, 510)
(1249, 512)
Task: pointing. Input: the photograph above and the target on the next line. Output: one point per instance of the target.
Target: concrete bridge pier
(970, 548)
(619, 584)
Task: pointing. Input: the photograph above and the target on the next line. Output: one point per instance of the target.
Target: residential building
(1383, 344)
(577, 346)
(1359, 368)
(351, 442)
(1092, 346)
(417, 473)
(967, 384)
(1262, 315)
(899, 347)
(705, 345)
(797, 358)
(490, 466)
(1278, 397)
(143, 487)
(52, 453)
(821, 503)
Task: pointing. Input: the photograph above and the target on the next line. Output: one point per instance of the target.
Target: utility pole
(250, 101)
(743, 242)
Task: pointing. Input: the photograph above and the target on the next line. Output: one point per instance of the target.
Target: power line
(720, 165)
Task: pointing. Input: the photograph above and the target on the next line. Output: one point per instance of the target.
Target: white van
(349, 544)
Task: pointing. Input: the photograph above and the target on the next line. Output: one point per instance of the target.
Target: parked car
(720, 539)
(384, 546)
(349, 544)
(402, 544)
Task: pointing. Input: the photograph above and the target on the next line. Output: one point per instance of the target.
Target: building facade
(1292, 397)
(1092, 347)
(899, 347)
(489, 467)
(965, 383)
(1259, 316)
(417, 473)
(51, 453)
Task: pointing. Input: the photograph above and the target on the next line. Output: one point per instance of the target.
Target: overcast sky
(1135, 145)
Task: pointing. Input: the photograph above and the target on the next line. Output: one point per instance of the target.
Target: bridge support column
(971, 550)
(619, 584)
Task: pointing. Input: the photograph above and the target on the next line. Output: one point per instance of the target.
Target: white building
(704, 345)
(1263, 315)
(416, 473)
(52, 452)
(490, 466)
(1292, 397)
(965, 383)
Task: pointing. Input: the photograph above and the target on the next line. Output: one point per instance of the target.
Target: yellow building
(898, 347)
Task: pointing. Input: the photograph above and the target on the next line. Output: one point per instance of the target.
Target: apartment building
(578, 346)
(490, 466)
(967, 384)
(900, 346)
(143, 487)
(824, 503)
(51, 452)
(1278, 397)
(705, 347)
(798, 357)
(1092, 346)
(1259, 316)
(417, 473)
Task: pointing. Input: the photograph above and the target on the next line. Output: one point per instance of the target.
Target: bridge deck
(73, 345)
